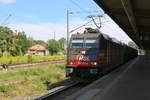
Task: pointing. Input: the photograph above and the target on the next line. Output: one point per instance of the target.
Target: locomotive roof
(96, 34)
(112, 39)
(86, 34)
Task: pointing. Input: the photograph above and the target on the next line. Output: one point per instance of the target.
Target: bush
(26, 59)
(36, 79)
(29, 58)
(5, 89)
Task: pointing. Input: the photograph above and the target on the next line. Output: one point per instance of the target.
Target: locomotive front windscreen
(91, 43)
(77, 43)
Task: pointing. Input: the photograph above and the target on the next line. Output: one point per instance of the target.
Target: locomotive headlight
(69, 70)
(83, 52)
(95, 63)
(71, 63)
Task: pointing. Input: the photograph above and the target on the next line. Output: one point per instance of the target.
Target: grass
(26, 59)
(29, 81)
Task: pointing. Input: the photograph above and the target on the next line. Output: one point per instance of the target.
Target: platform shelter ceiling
(133, 16)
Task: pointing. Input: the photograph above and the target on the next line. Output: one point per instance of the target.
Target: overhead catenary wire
(4, 22)
(81, 26)
(87, 24)
(79, 12)
(73, 2)
(87, 12)
(83, 9)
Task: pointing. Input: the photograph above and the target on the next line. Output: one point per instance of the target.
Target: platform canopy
(133, 16)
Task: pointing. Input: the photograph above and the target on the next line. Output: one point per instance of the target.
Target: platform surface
(133, 84)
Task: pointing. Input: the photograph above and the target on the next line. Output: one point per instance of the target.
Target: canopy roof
(133, 16)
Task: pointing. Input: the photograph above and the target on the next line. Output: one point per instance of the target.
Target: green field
(29, 81)
(27, 59)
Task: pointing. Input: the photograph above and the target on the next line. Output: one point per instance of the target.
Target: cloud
(7, 1)
(45, 31)
(110, 28)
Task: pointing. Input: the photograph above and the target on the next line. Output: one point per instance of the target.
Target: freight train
(92, 54)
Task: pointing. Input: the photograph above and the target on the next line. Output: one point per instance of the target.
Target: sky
(46, 19)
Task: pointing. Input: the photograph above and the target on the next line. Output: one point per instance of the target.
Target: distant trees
(40, 42)
(56, 46)
(62, 43)
(53, 46)
(22, 43)
(132, 44)
(16, 43)
(5, 38)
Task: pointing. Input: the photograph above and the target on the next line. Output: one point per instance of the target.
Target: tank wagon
(93, 54)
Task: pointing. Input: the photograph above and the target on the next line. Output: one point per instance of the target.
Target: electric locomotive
(93, 54)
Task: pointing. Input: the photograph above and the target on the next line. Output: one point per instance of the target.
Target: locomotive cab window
(77, 43)
(91, 43)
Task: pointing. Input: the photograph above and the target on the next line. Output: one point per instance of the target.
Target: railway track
(13, 66)
(63, 91)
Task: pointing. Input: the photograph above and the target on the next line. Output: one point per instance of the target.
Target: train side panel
(85, 62)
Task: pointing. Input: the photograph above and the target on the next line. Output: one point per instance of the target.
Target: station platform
(133, 84)
(129, 82)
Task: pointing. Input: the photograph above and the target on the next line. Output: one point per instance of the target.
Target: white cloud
(7, 1)
(45, 31)
(110, 28)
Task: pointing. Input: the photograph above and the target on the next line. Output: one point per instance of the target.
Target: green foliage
(40, 42)
(132, 44)
(36, 79)
(22, 43)
(13, 51)
(45, 80)
(30, 72)
(1, 54)
(17, 43)
(5, 38)
(8, 59)
(53, 46)
(4, 88)
(56, 46)
(62, 43)
(29, 58)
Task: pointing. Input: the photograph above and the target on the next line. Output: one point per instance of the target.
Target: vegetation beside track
(29, 81)
(27, 59)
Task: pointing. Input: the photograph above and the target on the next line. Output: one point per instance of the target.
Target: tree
(5, 38)
(13, 42)
(16, 43)
(13, 51)
(62, 43)
(23, 43)
(53, 46)
(132, 44)
(40, 42)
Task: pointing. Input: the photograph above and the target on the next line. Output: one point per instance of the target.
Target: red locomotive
(92, 54)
